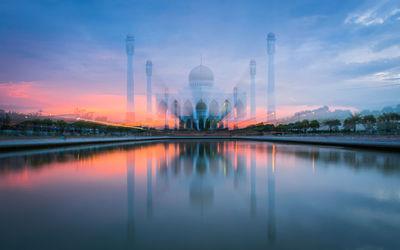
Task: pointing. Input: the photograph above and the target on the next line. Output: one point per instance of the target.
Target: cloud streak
(376, 15)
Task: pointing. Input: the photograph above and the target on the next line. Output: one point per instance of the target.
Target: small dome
(130, 37)
(271, 36)
(201, 73)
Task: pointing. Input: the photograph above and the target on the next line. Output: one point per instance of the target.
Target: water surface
(200, 195)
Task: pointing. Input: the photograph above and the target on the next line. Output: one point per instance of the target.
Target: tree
(7, 120)
(351, 122)
(306, 125)
(302, 126)
(268, 128)
(368, 121)
(314, 124)
(388, 121)
(332, 124)
(298, 125)
(60, 123)
(282, 128)
(47, 122)
(290, 127)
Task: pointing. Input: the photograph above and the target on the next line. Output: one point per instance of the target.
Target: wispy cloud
(367, 18)
(373, 16)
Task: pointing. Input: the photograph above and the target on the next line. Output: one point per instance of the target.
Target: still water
(200, 195)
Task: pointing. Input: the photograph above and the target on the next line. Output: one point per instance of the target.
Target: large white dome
(201, 76)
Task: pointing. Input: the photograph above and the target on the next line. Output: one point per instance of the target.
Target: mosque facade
(201, 105)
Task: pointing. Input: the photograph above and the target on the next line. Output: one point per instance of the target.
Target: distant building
(321, 114)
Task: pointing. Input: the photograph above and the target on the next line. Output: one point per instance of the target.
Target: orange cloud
(16, 90)
(33, 96)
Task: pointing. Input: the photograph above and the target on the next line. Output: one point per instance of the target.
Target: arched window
(188, 109)
(201, 109)
(214, 109)
(176, 108)
(226, 108)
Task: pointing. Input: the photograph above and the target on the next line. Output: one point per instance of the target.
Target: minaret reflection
(130, 187)
(149, 185)
(166, 158)
(253, 180)
(271, 194)
(175, 162)
(313, 161)
(240, 161)
(162, 166)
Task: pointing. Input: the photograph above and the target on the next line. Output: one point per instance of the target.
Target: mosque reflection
(384, 162)
(203, 164)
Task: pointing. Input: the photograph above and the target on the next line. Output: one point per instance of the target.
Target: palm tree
(60, 124)
(332, 124)
(314, 124)
(306, 125)
(352, 121)
(389, 121)
(368, 121)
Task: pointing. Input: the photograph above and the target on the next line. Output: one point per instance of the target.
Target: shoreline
(351, 142)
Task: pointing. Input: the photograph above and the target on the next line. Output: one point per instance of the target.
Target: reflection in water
(203, 189)
(253, 181)
(381, 161)
(130, 188)
(313, 161)
(271, 195)
(149, 185)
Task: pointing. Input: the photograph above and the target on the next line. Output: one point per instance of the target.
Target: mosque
(201, 105)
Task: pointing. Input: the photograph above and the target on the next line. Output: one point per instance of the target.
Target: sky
(59, 55)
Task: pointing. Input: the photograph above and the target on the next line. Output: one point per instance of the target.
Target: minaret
(271, 77)
(130, 50)
(252, 88)
(149, 71)
(235, 108)
(166, 108)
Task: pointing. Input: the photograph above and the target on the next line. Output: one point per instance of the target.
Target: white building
(201, 105)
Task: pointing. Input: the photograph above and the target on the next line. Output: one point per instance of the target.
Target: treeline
(60, 127)
(386, 123)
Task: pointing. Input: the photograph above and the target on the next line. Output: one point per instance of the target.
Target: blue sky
(336, 53)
